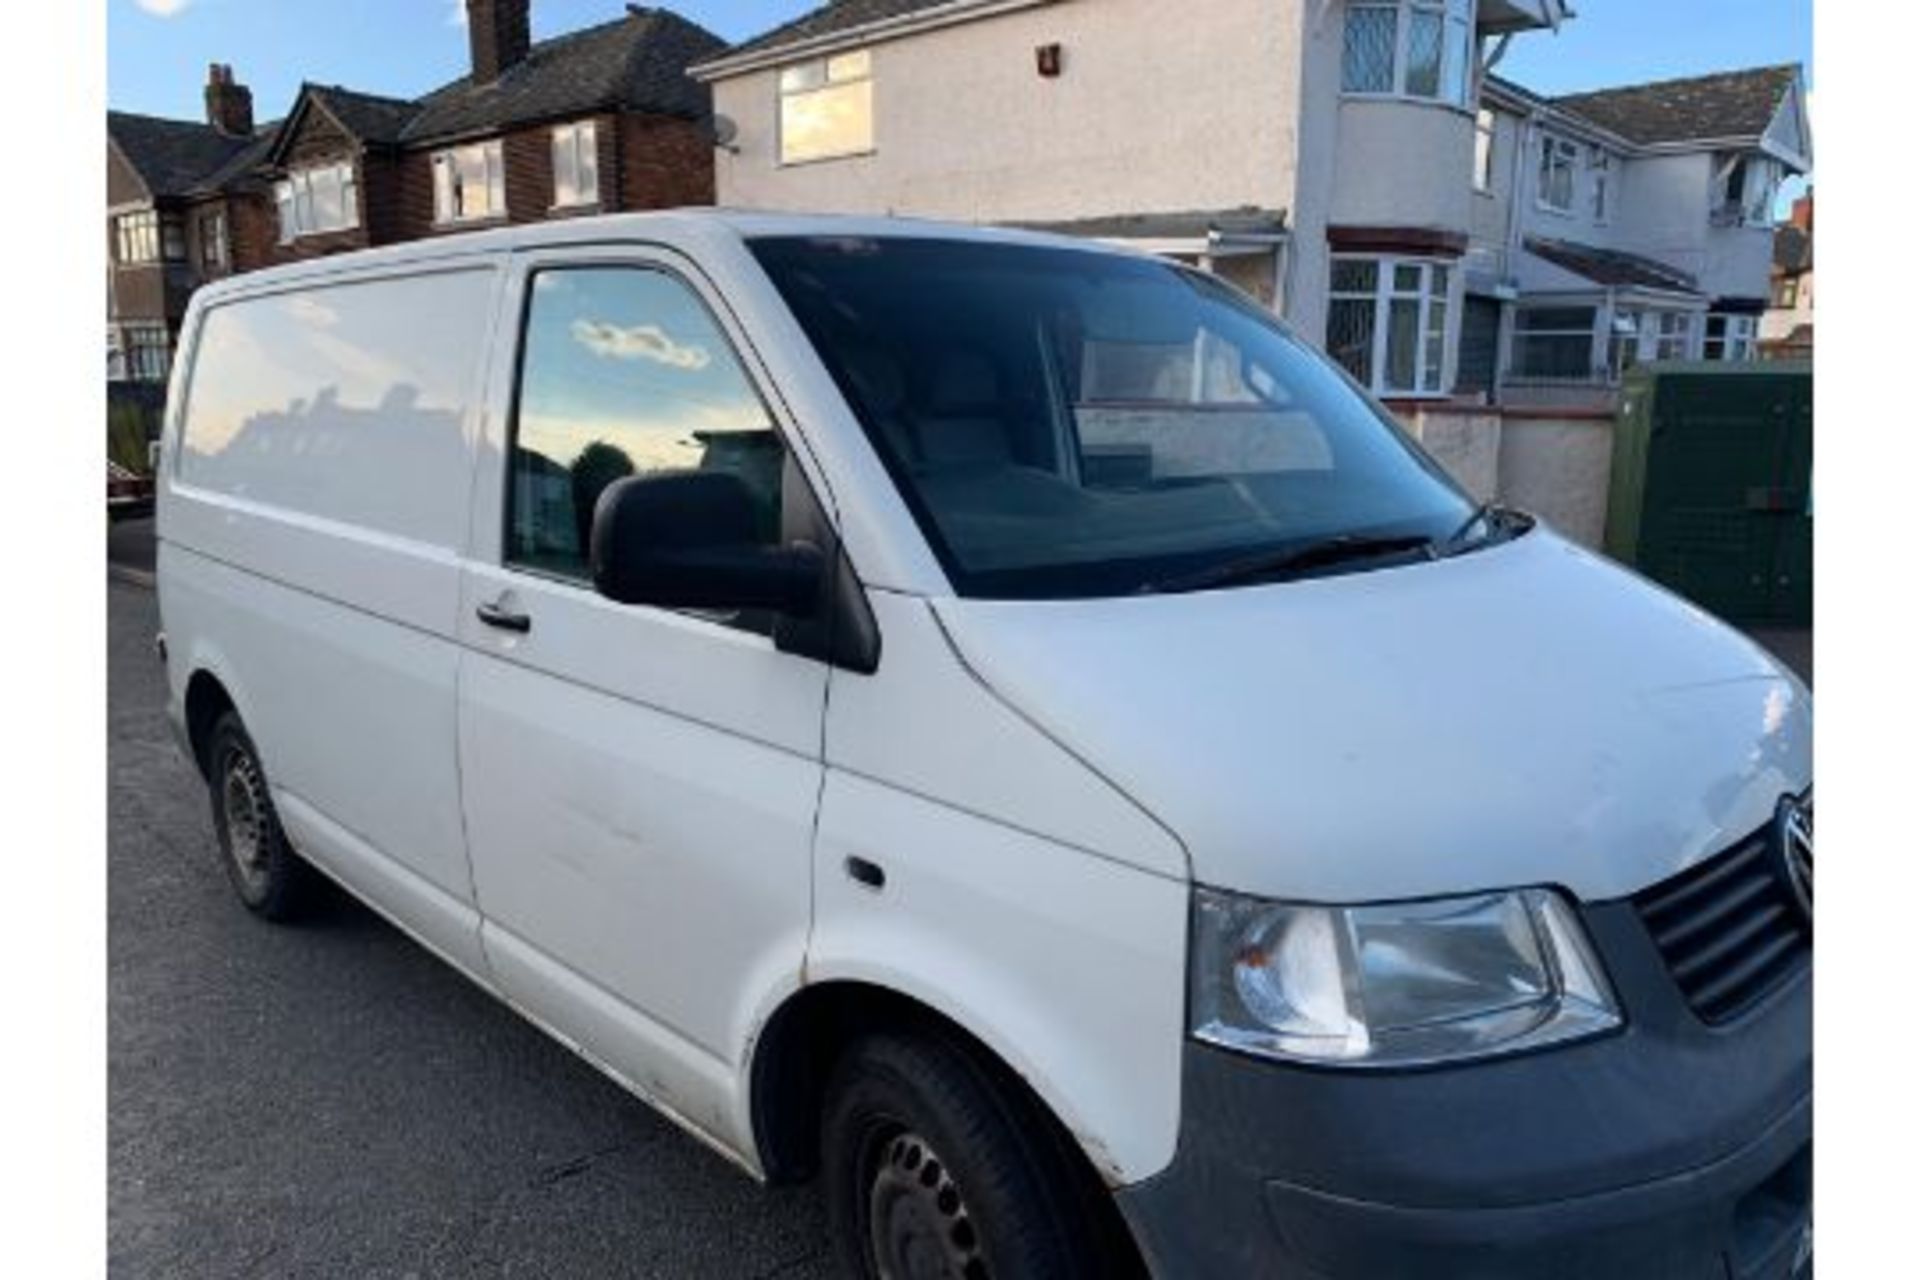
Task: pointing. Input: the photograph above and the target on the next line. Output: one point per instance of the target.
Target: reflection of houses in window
(543, 525)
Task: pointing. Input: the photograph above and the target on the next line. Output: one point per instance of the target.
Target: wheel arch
(803, 1037)
(210, 689)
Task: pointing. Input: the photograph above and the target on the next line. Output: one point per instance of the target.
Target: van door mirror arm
(693, 540)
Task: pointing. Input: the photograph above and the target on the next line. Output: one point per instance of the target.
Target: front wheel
(935, 1170)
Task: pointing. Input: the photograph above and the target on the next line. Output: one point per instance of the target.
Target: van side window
(624, 372)
(342, 401)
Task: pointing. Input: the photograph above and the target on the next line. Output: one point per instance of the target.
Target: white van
(999, 725)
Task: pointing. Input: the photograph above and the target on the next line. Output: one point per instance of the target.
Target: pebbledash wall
(1084, 145)
(1554, 464)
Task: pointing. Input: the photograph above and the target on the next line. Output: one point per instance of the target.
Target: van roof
(684, 228)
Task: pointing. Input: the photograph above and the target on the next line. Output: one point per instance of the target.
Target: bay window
(469, 184)
(315, 201)
(1747, 185)
(1558, 158)
(137, 237)
(1553, 342)
(1600, 170)
(1673, 335)
(1729, 337)
(1409, 48)
(145, 353)
(1623, 346)
(576, 165)
(1387, 322)
(1483, 131)
(213, 241)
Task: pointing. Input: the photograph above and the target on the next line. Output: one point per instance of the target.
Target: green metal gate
(1712, 490)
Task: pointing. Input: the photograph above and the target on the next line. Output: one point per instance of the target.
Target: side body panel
(1025, 898)
(308, 564)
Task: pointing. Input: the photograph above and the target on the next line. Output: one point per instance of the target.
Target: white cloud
(457, 13)
(638, 342)
(163, 8)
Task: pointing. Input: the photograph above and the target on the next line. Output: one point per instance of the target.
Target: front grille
(1729, 929)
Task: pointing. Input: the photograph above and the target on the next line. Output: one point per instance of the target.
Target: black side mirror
(692, 540)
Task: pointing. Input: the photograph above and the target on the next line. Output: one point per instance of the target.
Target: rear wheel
(936, 1170)
(269, 876)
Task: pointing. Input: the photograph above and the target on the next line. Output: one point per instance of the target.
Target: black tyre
(268, 875)
(937, 1169)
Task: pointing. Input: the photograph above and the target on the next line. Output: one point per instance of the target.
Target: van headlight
(1394, 984)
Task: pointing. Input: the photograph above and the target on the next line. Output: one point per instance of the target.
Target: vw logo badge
(1793, 850)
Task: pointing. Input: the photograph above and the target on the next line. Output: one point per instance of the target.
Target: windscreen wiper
(1498, 519)
(1340, 549)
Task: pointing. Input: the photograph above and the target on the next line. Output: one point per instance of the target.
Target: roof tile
(173, 157)
(637, 63)
(831, 18)
(1728, 104)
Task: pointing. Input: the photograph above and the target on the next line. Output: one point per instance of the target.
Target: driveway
(330, 1100)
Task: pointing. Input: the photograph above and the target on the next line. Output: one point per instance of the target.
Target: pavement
(130, 547)
(328, 1099)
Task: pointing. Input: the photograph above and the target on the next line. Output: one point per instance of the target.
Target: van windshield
(1068, 422)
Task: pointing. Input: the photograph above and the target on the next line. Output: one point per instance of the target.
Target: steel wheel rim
(243, 807)
(918, 1225)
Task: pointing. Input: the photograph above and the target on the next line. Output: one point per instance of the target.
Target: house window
(213, 241)
(1747, 186)
(137, 237)
(1387, 322)
(315, 201)
(147, 354)
(1553, 343)
(576, 165)
(469, 184)
(1623, 345)
(1557, 160)
(1410, 48)
(1673, 335)
(1600, 170)
(1729, 337)
(1786, 293)
(826, 108)
(1483, 151)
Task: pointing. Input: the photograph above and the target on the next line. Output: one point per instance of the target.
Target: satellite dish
(724, 133)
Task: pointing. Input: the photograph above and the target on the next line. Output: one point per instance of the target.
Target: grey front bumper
(1669, 1149)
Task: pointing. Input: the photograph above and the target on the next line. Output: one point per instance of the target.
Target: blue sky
(158, 50)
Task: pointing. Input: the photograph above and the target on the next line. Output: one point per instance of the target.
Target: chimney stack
(229, 105)
(1802, 215)
(499, 34)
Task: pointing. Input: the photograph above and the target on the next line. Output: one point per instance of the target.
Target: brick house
(593, 121)
(598, 120)
(1786, 330)
(181, 209)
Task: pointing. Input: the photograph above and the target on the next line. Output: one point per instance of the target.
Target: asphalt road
(330, 1100)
